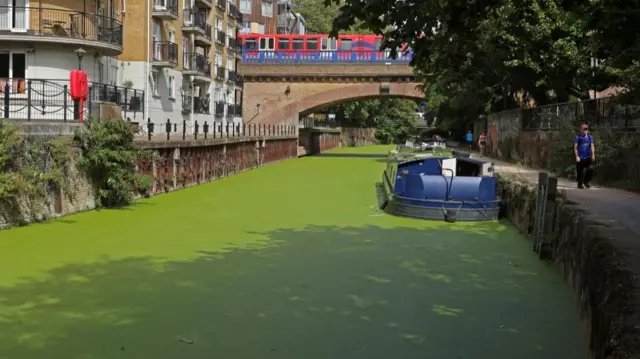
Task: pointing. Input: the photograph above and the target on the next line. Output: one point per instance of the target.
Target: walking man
(469, 139)
(585, 153)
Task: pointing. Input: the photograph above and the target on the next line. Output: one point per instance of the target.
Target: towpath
(603, 202)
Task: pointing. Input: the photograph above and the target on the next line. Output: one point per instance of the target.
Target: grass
(286, 261)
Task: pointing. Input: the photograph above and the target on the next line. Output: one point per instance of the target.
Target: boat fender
(450, 216)
(384, 204)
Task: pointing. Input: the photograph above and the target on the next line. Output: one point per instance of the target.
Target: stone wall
(597, 259)
(318, 140)
(355, 136)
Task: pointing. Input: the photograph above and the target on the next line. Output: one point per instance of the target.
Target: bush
(109, 158)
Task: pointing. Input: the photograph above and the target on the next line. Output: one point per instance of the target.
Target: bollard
(184, 129)
(195, 133)
(168, 129)
(227, 129)
(149, 129)
(205, 128)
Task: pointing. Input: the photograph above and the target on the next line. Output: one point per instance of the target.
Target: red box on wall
(79, 85)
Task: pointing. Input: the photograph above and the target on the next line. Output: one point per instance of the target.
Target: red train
(310, 43)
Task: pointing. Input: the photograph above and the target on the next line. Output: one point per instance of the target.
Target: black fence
(196, 62)
(221, 37)
(220, 72)
(39, 99)
(170, 6)
(165, 51)
(43, 21)
(170, 131)
(194, 17)
(308, 122)
(601, 112)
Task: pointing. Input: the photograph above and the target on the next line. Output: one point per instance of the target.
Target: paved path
(610, 203)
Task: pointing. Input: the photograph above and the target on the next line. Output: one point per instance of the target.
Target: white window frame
(266, 8)
(154, 84)
(171, 83)
(7, 15)
(219, 24)
(26, 63)
(218, 59)
(245, 6)
(230, 64)
(172, 36)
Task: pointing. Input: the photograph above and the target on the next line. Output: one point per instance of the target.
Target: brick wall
(355, 136)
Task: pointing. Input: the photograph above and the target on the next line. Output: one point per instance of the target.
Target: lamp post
(80, 54)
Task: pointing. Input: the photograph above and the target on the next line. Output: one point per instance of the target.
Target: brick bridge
(278, 93)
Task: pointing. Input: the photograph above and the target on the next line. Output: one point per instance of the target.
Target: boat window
(298, 44)
(346, 45)
(250, 44)
(312, 44)
(283, 44)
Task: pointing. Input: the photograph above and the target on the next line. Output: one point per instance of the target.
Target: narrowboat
(432, 186)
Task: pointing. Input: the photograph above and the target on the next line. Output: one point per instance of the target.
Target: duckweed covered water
(282, 262)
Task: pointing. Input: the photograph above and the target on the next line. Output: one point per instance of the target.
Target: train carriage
(275, 48)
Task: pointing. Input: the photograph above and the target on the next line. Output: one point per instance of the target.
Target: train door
(267, 47)
(329, 47)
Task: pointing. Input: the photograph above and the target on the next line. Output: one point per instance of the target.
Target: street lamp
(80, 53)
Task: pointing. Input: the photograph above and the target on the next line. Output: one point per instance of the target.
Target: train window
(250, 44)
(312, 44)
(346, 45)
(378, 44)
(298, 44)
(283, 44)
(329, 44)
(267, 44)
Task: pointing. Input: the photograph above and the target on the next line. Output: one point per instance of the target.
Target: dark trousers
(584, 171)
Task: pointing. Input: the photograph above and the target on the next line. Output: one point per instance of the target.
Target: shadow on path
(324, 292)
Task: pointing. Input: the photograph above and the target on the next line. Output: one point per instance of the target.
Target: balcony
(220, 37)
(232, 76)
(221, 4)
(238, 46)
(50, 100)
(165, 54)
(165, 9)
(186, 103)
(220, 73)
(204, 39)
(196, 65)
(233, 11)
(194, 21)
(219, 109)
(201, 105)
(237, 112)
(23, 24)
(231, 110)
(207, 4)
(238, 15)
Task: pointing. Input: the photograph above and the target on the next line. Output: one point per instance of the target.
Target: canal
(287, 261)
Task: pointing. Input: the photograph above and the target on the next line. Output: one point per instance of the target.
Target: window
(230, 64)
(250, 44)
(260, 28)
(154, 83)
(14, 15)
(267, 44)
(219, 59)
(298, 44)
(13, 66)
(245, 6)
(113, 76)
(312, 44)
(267, 8)
(283, 44)
(346, 45)
(101, 72)
(172, 36)
(329, 44)
(230, 31)
(219, 23)
(171, 83)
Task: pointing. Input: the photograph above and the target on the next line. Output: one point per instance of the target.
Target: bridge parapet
(363, 70)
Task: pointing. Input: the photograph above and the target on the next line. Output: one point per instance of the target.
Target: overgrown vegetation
(30, 168)
(109, 157)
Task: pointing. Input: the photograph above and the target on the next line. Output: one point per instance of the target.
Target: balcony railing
(170, 6)
(231, 42)
(196, 62)
(220, 72)
(238, 15)
(233, 10)
(165, 51)
(40, 99)
(221, 4)
(47, 22)
(219, 109)
(239, 46)
(221, 36)
(237, 110)
(232, 76)
(196, 18)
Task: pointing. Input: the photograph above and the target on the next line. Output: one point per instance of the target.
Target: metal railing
(220, 72)
(231, 42)
(220, 36)
(43, 99)
(254, 56)
(207, 31)
(238, 14)
(165, 51)
(601, 112)
(196, 62)
(221, 4)
(170, 6)
(219, 109)
(308, 122)
(184, 130)
(49, 22)
(233, 10)
(238, 110)
(195, 17)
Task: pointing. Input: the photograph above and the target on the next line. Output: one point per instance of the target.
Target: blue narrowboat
(428, 186)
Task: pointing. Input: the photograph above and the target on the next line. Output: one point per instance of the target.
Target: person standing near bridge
(468, 138)
(585, 152)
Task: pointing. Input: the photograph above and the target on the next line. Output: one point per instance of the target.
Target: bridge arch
(281, 102)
